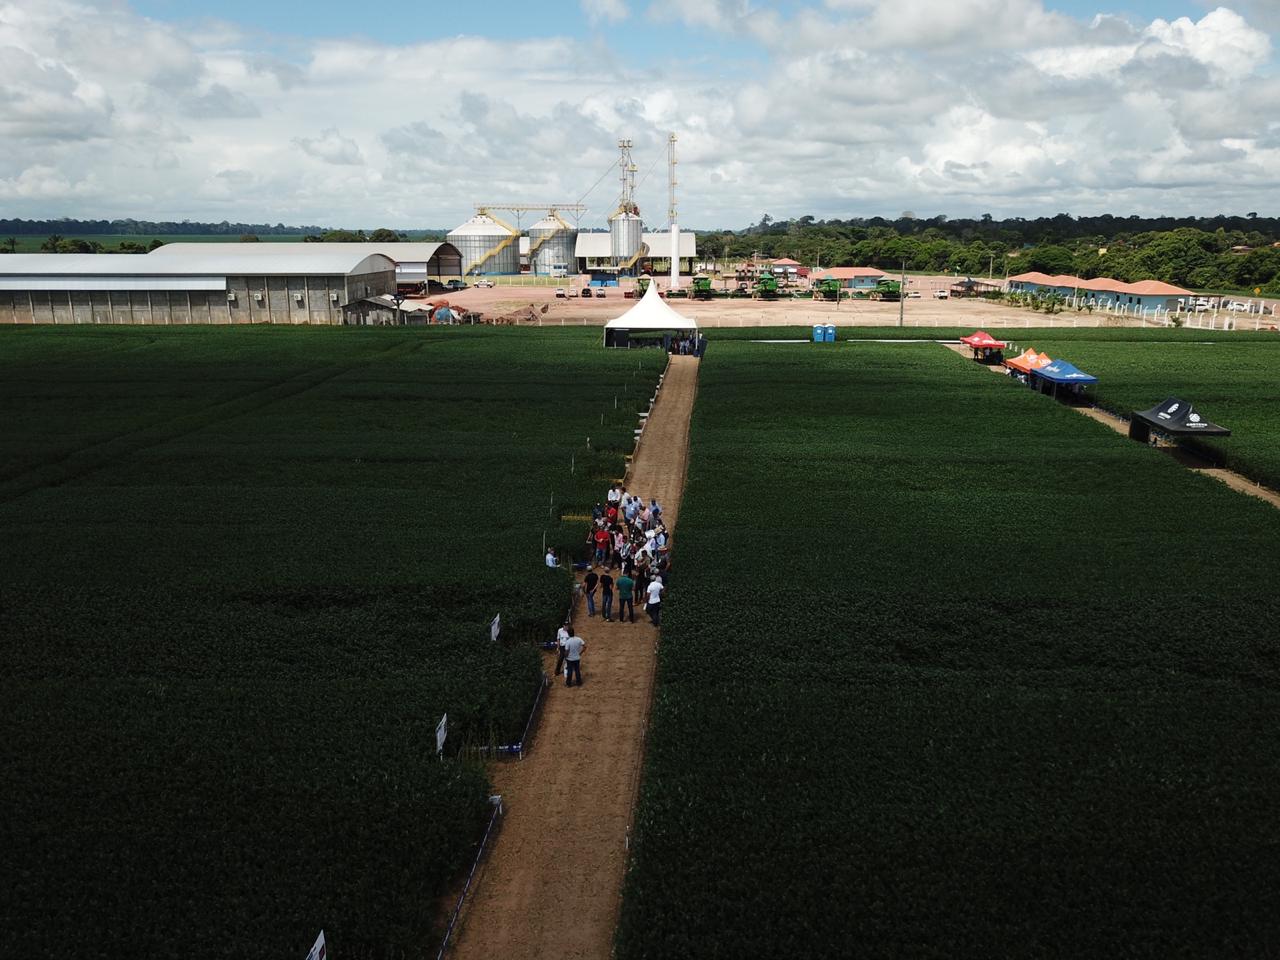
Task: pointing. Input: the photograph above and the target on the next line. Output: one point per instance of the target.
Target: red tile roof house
(851, 278)
(1105, 292)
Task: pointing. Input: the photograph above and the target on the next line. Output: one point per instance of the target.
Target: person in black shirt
(589, 591)
(606, 596)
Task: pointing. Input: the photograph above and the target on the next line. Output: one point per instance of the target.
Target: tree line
(68, 226)
(1229, 253)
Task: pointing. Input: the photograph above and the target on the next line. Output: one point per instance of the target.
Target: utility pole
(675, 227)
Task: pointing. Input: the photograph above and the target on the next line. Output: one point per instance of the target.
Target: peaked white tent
(650, 315)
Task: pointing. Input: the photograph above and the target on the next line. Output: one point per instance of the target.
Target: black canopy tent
(1174, 417)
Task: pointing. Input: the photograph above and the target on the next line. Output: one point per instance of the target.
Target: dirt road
(551, 885)
(528, 303)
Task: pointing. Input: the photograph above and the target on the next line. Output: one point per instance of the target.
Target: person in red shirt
(603, 545)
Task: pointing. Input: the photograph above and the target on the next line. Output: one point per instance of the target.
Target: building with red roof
(1103, 291)
(851, 278)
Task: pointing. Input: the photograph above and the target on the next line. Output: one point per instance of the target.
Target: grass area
(950, 671)
(246, 572)
(1230, 381)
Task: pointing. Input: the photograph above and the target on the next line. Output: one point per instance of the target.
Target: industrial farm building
(595, 250)
(317, 283)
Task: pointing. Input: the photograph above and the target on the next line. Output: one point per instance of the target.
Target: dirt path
(551, 886)
(1185, 457)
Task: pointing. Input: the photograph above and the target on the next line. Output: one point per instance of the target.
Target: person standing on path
(604, 543)
(626, 603)
(589, 591)
(606, 596)
(654, 604)
(573, 648)
(562, 635)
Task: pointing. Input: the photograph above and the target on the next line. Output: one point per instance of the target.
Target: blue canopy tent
(1062, 380)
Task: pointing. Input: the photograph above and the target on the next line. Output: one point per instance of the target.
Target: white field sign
(319, 951)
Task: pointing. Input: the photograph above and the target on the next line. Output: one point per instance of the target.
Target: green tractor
(766, 287)
(827, 289)
(701, 289)
(887, 290)
(642, 286)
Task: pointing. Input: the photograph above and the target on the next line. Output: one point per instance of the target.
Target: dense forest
(145, 228)
(1227, 253)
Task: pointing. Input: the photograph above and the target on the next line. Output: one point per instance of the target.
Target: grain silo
(626, 233)
(551, 246)
(487, 245)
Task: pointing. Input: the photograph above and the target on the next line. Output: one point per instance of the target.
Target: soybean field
(246, 573)
(950, 671)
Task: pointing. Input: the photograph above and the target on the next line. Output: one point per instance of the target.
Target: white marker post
(495, 627)
(442, 731)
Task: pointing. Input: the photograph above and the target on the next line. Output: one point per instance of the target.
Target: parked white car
(942, 294)
(1235, 306)
(560, 292)
(484, 283)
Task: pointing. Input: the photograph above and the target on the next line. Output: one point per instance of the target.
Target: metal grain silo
(626, 233)
(487, 245)
(551, 244)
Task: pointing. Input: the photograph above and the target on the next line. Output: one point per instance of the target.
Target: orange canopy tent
(1028, 360)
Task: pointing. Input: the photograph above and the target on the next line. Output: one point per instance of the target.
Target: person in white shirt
(551, 557)
(654, 601)
(615, 495)
(573, 648)
(562, 635)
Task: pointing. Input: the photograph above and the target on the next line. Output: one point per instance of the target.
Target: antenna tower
(671, 212)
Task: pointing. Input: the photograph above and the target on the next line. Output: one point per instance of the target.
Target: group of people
(694, 345)
(628, 536)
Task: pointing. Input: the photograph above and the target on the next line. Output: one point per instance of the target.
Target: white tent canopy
(651, 313)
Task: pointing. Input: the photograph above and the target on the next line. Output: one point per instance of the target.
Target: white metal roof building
(219, 283)
(596, 246)
(415, 261)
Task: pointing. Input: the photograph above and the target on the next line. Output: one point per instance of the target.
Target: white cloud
(331, 147)
(610, 10)
(848, 107)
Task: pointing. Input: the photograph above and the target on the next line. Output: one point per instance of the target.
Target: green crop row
(1230, 381)
(246, 572)
(953, 672)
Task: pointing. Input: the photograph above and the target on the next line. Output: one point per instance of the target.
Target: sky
(410, 114)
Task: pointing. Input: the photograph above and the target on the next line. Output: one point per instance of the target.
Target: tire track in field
(551, 885)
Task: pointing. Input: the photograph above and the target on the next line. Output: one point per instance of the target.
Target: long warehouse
(215, 283)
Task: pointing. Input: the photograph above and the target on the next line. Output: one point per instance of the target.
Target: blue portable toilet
(829, 333)
(819, 333)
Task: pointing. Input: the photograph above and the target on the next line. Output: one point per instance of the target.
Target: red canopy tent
(982, 341)
(986, 348)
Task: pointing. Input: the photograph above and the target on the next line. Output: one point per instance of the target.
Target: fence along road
(552, 883)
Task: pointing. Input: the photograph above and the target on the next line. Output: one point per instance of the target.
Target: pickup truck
(942, 294)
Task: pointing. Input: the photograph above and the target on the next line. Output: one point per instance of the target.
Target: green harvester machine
(701, 289)
(887, 290)
(827, 289)
(766, 287)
